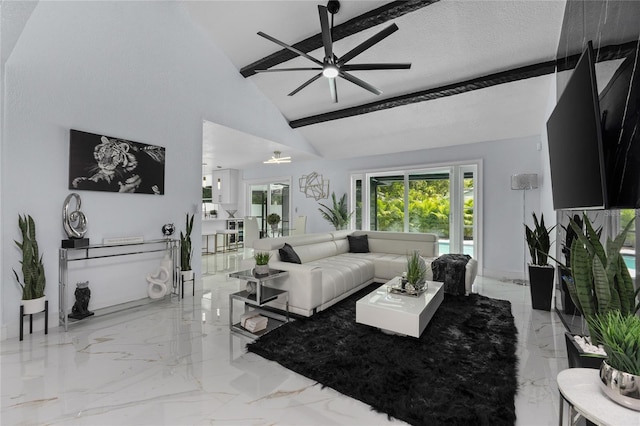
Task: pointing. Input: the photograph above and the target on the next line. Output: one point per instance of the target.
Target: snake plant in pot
(186, 251)
(33, 284)
(540, 272)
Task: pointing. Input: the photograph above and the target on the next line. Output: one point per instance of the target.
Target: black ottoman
(451, 269)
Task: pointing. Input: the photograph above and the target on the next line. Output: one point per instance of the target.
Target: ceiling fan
(277, 159)
(332, 66)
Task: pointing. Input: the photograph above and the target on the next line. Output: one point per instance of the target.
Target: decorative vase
(251, 287)
(621, 387)
(33, 306)
(261, 269)
(80, 309)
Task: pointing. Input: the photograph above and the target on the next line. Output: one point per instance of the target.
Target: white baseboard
(501, 275)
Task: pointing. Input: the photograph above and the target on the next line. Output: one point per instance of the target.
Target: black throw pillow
(288, 254)
(358, 244)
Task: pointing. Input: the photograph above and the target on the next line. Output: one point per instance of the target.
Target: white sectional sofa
(328, 272)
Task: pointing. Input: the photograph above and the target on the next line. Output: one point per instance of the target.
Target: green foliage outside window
(429, 207)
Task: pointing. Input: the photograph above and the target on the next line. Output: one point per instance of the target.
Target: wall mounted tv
(576, 150)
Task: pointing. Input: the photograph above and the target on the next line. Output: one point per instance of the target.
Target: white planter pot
(261, 269)
(33, 306)
(186, 275)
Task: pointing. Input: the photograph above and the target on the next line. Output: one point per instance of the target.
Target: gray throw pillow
(288, 254)
(359, 244)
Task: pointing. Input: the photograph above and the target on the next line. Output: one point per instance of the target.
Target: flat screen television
(620, 108)
(576, 150)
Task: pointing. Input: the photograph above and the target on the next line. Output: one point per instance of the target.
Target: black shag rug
(461, 371)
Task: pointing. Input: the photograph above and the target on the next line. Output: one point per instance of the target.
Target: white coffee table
(397, 313)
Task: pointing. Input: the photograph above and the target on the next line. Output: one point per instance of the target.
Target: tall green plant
(338, 215)
(600, 279)
(538, 240)
(32, 267)
(185, 245)
(416, 269)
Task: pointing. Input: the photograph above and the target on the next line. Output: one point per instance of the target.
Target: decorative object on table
(273, 220)
(74, 223)
(213, 213)
(34, 282)
(451, 269)
(168, 229)
(425, 375)
(540, 272)
(159, 280)
(524, 182)
(231, 213)
(403, 280)
(620, 372)
(262, 262)
(338, 215)
(601, 280)
(253, 321)
(186, 250)
(106, 163)
(314, 186)
(416, 273)
(80, 309)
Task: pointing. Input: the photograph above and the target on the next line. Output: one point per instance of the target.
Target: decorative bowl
(621, 387)
(231, 213)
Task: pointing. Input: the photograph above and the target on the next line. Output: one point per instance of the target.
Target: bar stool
(226, 239)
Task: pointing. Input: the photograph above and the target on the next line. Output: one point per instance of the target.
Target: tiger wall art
(105, 163)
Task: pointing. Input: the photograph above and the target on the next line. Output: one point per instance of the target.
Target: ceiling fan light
(330, 71)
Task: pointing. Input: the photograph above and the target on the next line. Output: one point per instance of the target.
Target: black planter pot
(579, 359)
(541, 280)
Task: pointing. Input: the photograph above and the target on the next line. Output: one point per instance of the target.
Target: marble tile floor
(175, 363)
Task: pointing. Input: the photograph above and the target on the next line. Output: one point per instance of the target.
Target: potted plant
(262, 262)
(540, 272)
(620, 372)
(600, 282)
(214, 213)
(273, 220)
(338, 215)
(186, 250)
(33, 284)
(416, 272)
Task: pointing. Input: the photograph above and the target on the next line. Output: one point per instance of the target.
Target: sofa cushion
(358, 244)
(288, 254)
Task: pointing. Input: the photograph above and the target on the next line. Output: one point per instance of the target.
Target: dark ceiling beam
(367, 20)
(604, 54)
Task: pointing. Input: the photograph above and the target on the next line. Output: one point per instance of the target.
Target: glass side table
(259, 298)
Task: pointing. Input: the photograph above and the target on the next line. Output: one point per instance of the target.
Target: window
(439, 200)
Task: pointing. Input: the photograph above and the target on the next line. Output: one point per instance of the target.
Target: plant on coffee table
(416, 272)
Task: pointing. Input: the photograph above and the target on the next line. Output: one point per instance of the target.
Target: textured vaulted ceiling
(449, 43)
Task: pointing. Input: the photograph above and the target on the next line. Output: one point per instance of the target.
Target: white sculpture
(159, 279)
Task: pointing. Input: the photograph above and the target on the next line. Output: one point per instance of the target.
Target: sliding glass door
(268, 198)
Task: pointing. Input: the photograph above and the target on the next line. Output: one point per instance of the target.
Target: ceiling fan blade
(333, 88)
(326, 32)
(291, 48)
(368, 43)
(305, 84)
(368, 67)
(289, 69)
(361, 83)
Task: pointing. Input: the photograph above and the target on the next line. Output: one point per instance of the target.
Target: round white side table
(580, 388)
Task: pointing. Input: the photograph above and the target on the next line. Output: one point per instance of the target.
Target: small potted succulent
(620, 372)
(416, 273)
(262, 262)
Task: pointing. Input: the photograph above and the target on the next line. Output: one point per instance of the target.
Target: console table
(580, 388)
(97, 251)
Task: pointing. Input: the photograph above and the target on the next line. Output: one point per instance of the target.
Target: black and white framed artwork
(105, 163)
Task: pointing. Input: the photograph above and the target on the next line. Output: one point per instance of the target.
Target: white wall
(135, 70)
(503, 231)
